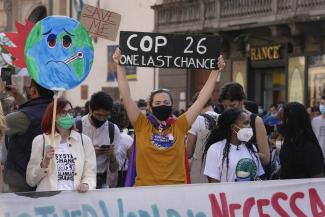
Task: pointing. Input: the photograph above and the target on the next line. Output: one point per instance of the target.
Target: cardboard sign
(169, 50)
(100, 22)
(59, 53)
(305, 197)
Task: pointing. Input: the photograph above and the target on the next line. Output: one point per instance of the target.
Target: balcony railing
(195, 15)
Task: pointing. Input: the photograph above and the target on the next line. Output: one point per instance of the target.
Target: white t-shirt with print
(100, 136)
(65, 167)
(215, 169)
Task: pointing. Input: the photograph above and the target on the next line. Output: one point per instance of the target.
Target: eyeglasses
(66, 112)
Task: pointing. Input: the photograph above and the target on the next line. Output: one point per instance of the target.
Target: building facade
(274, 48)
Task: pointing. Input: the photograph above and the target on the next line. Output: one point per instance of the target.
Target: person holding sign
(73, 159)
(160, 149)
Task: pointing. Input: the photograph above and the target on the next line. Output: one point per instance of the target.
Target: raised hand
(221, 63)
(117, 56)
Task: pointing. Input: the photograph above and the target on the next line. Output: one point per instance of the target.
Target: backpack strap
(43, 145)
(212, 122)
(111, 131)
(82, 140)
(253, 119)
(79, 125)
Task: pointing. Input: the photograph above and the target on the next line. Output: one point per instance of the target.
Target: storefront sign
(304, 197)
(169, 50)
(265, 53)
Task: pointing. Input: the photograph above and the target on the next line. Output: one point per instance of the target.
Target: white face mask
(278, 145)
(245, 134)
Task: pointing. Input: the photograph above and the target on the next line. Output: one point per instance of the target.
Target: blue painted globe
(59, 53)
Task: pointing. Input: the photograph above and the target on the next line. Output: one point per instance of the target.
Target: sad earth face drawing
(59, 53)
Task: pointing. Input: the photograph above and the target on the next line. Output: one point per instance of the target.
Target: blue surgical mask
(322, 109)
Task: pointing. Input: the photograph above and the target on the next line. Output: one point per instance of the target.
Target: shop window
(316, 78)
(296, 79)
(239, 73)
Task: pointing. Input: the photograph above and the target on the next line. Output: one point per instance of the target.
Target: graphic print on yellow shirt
(162, 141)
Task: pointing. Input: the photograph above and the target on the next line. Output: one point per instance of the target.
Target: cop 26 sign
(169, 50)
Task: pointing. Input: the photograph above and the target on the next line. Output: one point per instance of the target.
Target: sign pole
(55, 102)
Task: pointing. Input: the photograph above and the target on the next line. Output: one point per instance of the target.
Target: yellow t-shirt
(160, 156)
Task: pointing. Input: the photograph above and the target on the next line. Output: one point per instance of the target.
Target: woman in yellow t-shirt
(160, 149)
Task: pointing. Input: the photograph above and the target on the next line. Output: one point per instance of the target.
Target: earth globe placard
(59, 53)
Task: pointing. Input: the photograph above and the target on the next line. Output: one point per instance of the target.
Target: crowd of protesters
(146, 142)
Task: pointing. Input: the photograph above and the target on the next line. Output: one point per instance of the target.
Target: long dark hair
(297, 125)
(224, 131)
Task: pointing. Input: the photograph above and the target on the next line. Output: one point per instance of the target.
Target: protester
(104, 135)
(230, 156)
(271, 118)
(23, 126)
(301, 155)
(120, 118)
(318, 124)
(71, 163)
(232, 96)
(3, 150)
(196, 140)
(160, 149)
(86, 109)
(11, 97)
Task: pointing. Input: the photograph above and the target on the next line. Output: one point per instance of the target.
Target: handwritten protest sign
(100, 22)
(169, 50)
(305, 197)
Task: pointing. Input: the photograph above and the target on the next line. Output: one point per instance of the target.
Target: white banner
(265, 198)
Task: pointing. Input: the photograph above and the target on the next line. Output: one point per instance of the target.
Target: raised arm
(205, 93)
(123, 85)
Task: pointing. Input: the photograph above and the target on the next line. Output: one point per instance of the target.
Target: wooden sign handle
(55, 103)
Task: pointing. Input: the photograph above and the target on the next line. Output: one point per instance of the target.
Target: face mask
(162, 112)
(274, 114)
(278, 145)
(322, 109)
(97, 123)
(260, 110)
(66, 122)
(245, 134)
